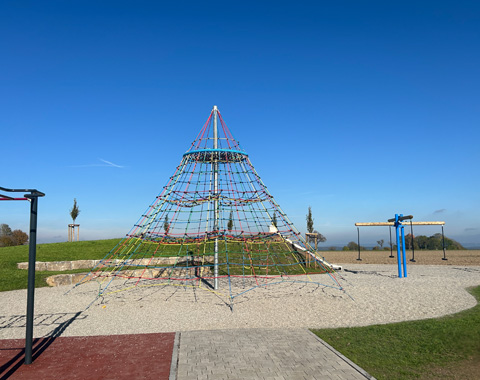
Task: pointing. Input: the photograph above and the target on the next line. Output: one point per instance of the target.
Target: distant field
(466, 257)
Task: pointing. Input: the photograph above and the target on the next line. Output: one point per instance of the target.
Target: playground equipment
(214, 226)
(397, 222)
(32, 197)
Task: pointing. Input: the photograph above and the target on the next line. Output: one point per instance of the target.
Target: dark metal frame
(32, 197)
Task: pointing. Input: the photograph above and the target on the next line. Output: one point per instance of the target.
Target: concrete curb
(174, 365)
(343, 357)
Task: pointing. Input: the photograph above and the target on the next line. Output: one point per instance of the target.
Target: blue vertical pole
(403, 253)
(399, 256)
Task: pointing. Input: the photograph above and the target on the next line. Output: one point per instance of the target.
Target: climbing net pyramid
(214, 226)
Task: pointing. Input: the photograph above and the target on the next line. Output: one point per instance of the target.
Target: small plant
(274, 219)
(309, 220)
(166, 225)
(74, 211)
(230, 222)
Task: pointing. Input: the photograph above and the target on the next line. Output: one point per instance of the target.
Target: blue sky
(358, 109)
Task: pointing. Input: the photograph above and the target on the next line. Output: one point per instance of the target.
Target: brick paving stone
(260, 354)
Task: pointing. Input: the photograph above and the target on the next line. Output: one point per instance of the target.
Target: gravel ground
(379, 296)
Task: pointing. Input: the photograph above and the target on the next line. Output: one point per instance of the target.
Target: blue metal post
(403, 253)
(399, 256)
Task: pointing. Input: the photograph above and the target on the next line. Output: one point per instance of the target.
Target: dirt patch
(462, 258)
(465, 369)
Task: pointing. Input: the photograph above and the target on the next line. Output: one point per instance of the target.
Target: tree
(230, 222)
(5, 230)
(352, 246)
(309, 220)
(9, 238)
(380, 243)
(74, 211)
(274, 219)
(6, 241)
(19, 237)
(434, 242)
(6, 236)
(166, 225)
(316, 236)
(408, 242)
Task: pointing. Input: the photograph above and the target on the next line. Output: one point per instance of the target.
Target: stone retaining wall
(65, 279)
(52, 266)
(56, 266)
(147, 273)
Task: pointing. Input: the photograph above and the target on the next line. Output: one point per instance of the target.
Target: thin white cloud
(111, 163)
(105, 163)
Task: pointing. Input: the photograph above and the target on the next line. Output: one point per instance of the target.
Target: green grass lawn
(259, 257)
(411, 350)
(245, 258)
(12, 278)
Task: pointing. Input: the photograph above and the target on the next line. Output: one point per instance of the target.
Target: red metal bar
(13, 199)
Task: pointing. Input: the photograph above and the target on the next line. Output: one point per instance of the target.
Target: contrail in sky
(105, 164)
(110, 163)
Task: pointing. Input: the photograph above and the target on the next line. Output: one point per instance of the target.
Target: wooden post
(315, 236)
(71, 232)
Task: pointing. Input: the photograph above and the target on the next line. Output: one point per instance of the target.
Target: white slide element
(315, 256)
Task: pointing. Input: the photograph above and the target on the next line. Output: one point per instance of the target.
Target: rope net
(213, 226)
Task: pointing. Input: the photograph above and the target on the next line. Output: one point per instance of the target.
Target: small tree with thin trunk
(166, 225)
(274, 219)
(74, 211)
(315, 236)
(309, 220)
(230, 222)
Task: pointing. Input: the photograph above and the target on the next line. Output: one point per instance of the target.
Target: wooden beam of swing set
(405, 223)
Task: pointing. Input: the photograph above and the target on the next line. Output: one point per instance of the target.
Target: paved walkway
(264, 354)
(217, 354)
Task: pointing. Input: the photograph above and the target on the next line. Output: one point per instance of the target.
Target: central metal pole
(215, 186)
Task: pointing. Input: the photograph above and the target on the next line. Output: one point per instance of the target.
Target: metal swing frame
(31, 196)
